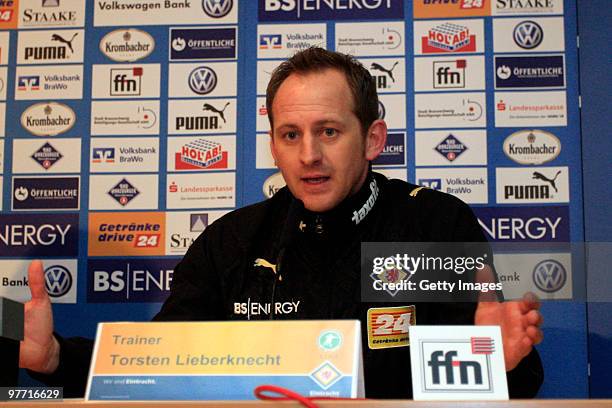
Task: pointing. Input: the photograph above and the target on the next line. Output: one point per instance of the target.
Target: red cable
(263, 392)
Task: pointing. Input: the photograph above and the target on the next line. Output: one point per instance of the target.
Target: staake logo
(127, 45)
(202, 80)
(52, 13)
(103, 155)
(447, 38)
(202, 43)
(125, 81)
(123, 192)
(531, 72)
(217, 8)
(528, 35)
(524, 224)
(549, 276)
(506, 7)
(46, 156)
(201, 154)
(58, 280)
(275, 10)
(449, 74)
(451, 148)
(270, 41)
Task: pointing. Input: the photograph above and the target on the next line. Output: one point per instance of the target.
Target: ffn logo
(125, 81)
(450, 365)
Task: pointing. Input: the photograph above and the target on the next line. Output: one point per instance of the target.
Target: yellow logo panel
(388, 326)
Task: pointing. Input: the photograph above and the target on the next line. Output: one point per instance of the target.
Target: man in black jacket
(297, 255)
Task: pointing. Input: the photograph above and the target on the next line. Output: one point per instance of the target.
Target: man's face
(317, 141)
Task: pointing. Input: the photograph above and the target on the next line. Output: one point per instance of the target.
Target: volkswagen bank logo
(58, 280)
(202, 80)
(549, 276)
(528, 35)
(217, 8)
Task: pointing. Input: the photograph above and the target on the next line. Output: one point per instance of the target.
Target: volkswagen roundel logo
(528, 35)
(217, 8)
(58, 280)
(202, 80)
(549, 276)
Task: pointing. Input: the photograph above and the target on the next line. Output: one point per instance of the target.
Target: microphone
(296, 209)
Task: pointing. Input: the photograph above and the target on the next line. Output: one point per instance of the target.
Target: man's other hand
(39, 350)
(520, 323)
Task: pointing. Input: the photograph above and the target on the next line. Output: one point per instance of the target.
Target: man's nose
(310, 150)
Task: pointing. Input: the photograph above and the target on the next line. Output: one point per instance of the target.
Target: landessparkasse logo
(127, 45)
(531, 72)
(201, 154)
(449, 74)
(46, 156)
(202, 43)
(47, 52)
(48, 119)
(45, 193)
(451, 148)
(217, 8)
(532, 146)
(279, 10)
(58, 280)
(202, 80)
(123, 192)
(528, 34)
(549, 276)
(447, 38)
(126, 81)
(203, 122)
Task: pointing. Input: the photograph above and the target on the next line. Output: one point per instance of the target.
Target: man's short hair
(316, 59)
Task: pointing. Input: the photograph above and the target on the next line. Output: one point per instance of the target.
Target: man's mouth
(315, 180)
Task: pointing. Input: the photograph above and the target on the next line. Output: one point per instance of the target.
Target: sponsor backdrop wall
(127, 127)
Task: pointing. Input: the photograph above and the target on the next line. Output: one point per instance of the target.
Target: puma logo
(265, 264)
(209, 107)
(57, 37)
(379, 67)
(540, 176)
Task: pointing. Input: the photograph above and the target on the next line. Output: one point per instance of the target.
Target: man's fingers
(535, 335)
(534, 318)
(529, 302)
(36, 280)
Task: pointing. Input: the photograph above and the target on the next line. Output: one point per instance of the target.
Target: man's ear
(375, 139)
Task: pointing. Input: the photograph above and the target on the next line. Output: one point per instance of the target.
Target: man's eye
(291, 135)
(330, 132)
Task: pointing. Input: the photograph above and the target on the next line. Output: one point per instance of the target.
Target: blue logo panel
(46, 193)
(525, 224)
(202, 43)
(530, 72)
(38, 235)
(299, 10)
(129, 281)
(394, 153)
